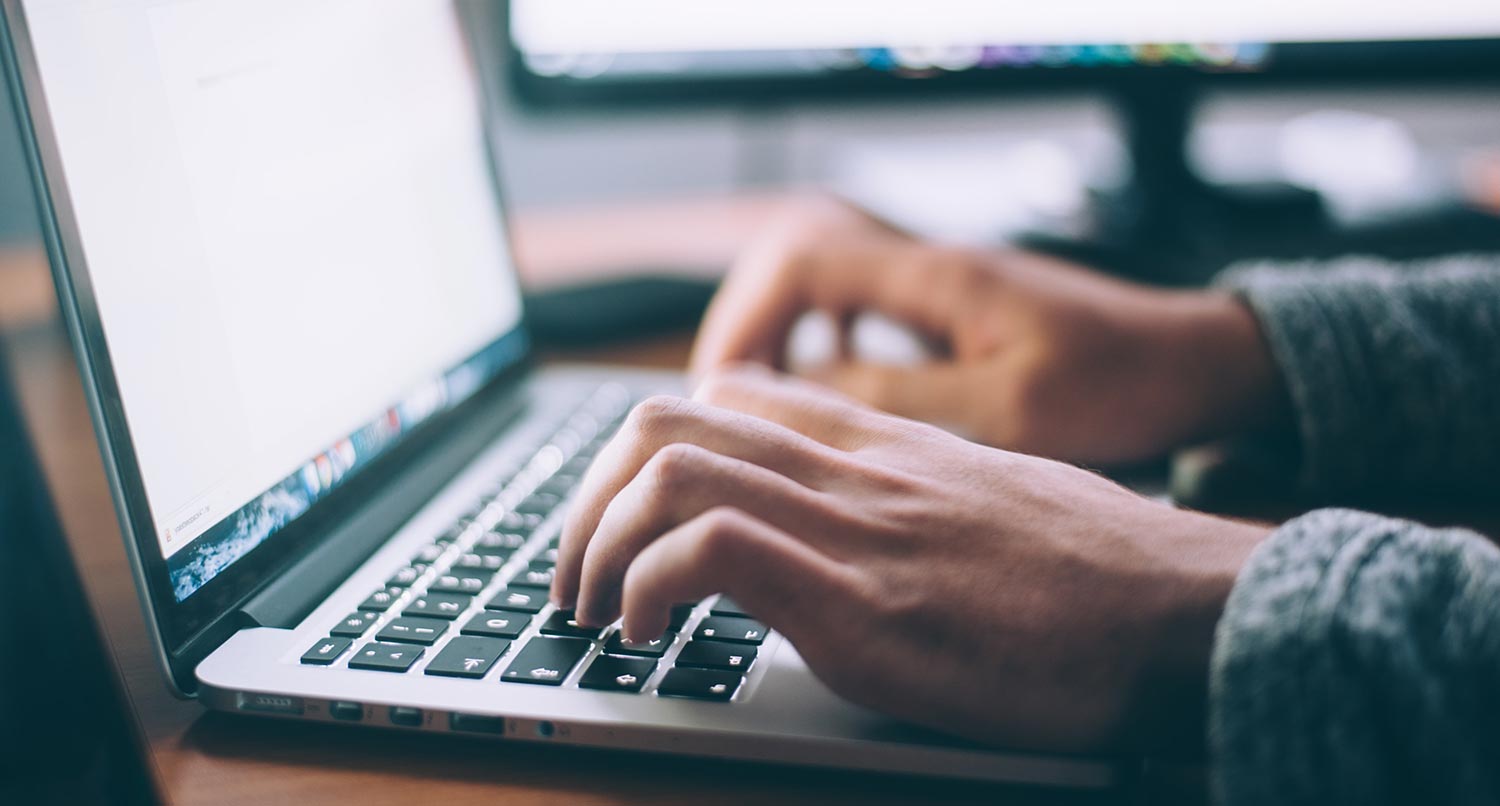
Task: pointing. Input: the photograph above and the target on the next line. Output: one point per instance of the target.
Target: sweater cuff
(1390, 367)
(1351, 665)
(1319, 351)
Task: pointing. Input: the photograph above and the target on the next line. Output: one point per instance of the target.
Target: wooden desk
(203, 757)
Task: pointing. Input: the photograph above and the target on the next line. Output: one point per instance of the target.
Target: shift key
(546, 661)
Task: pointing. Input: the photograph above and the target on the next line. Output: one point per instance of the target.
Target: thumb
(936, 392)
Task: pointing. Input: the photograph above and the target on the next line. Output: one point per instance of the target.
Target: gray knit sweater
(1358, 659)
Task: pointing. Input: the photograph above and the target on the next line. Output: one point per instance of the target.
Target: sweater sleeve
(1358, 661)
(1393, 369)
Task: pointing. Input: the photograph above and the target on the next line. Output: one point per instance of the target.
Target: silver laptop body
(283, 263)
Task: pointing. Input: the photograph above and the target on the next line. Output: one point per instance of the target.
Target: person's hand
(1036, 355)
(1003, 597)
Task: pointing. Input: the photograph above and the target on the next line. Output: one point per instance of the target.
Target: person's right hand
(1006, 598)
(1038, 355)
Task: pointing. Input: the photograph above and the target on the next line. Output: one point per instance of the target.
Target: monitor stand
(1168, 225)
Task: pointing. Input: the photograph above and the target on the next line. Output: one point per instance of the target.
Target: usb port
(406, 717)
(347, 711)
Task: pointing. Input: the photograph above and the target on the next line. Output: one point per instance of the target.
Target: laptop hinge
(298, 590)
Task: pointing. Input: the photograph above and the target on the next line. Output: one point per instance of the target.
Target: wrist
(1225, 375)
(1200, 557)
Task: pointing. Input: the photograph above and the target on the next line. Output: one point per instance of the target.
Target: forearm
(1392, 371)
(1357, 661)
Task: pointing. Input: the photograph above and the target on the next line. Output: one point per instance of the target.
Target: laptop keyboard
(473, 603)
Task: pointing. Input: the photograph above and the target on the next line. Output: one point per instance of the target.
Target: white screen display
(289, 221)
(666, 26)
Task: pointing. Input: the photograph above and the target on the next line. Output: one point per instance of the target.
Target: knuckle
(719, 530)
(675, 466)
(656, 414)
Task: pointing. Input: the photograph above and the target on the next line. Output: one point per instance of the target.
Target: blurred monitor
(610, 50)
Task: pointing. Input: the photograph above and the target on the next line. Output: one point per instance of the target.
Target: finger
(661, 421)
(678, 484)
(938, 392)
(804, 407)
(789, 585)
(768, 291)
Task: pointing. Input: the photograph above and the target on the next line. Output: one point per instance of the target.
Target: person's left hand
(1006, 598)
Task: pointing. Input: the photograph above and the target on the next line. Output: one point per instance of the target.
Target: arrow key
(468, 656)
(618, 674)
(654, 648)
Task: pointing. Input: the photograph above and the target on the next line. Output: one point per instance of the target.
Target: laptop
(282, 255)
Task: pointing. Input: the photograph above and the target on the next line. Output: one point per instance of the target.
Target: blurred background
(970, 166)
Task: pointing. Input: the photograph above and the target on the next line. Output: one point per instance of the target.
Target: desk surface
(203, 757)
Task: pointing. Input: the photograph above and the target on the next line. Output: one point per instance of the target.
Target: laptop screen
(289, 221)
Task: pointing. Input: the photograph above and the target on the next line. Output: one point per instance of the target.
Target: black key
(699, 684)
(561, 623)
(429, 553)
(466, 582)
(424, 631)
(385, 657)
(406, 576)
(325, 651)
(726, 606)
(468, 657)
(520, 599)
(538, 575)
(381, 599)
(354, 624)
(438, 605)
(716, 655)
(473, 561)
(654, 648)
(725, 628)
(618, 674)
(680, 614)
(493, 624)
(546, 661)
